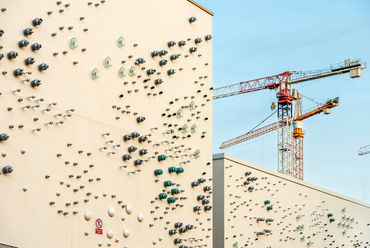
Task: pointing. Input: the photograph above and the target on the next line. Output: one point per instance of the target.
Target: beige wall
(299, 210)
(48, 173)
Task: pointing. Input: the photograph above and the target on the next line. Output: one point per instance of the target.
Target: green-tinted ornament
(197, 153)
(175, 191)
(132, 71)
(122, 72)
(158, 172)
(162, 157)
(121, 42)
(108, 62)
(179, 113)
(95, 74)
(185, 128)
(194, 128)
(167, 183)
(192, 105)
(162, 196)
(73, 43)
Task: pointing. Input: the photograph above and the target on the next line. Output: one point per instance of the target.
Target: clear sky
(254, 39)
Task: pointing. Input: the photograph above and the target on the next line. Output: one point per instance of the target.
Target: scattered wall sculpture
(257, 207)
(106, 124)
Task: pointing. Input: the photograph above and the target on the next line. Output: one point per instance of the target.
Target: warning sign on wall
(98, 226)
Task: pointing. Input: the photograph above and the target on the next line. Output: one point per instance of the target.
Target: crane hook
(273, 106)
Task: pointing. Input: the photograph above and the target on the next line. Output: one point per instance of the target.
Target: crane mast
(298, 136)
(285, 126)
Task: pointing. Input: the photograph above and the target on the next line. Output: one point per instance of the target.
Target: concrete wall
(66, 141)
(263, 208)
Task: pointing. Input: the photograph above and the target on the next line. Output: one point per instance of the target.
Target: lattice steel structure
(354, 67)
(248, 136)
(285, 129)
(298, 136)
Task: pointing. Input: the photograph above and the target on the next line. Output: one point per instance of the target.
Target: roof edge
(288, 178)
(201, 7)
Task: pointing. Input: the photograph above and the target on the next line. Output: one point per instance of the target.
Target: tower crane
(364, 150)
(298, 134)
(283, 82)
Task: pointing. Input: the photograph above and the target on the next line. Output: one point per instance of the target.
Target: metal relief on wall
(263, 208)
(106, 124)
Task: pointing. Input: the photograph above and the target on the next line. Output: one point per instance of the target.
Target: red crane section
(271, 82)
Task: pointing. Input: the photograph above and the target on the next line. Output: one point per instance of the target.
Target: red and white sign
(98, 226)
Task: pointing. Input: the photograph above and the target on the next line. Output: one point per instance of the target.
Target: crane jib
(246, 87)
(346, 67)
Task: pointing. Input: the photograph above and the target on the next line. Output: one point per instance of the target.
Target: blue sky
(255, 39)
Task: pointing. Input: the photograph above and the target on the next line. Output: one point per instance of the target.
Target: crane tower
(285, 125)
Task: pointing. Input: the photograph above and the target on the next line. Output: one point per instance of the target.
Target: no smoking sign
(98, 226)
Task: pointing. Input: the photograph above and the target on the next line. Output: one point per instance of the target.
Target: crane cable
(261, 122)
(310, 99)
